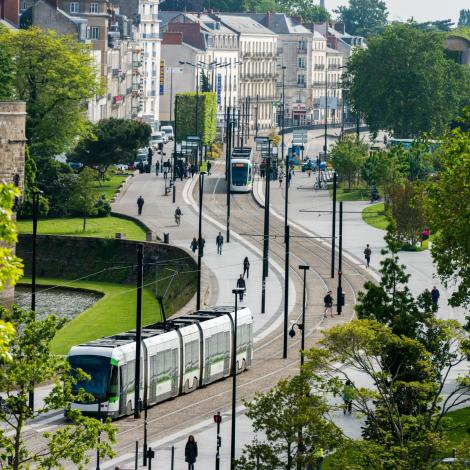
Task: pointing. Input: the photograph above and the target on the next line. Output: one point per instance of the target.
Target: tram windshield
(239, 174)
(99, 370)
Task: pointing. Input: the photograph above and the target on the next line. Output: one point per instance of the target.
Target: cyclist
(178, 215)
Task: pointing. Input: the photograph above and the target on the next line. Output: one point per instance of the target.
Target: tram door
(122, 389)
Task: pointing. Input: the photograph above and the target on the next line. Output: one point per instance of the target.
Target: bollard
(172, 457)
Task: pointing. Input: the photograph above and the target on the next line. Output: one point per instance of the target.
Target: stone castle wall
(12, 148)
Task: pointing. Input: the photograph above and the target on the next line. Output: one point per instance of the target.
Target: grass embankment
(103, 227)
(374, 215)
(344, 194)
(110, 186)
(113, 313)
(461, 429)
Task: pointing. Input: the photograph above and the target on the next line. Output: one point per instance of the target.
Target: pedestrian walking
(157, 168)
(435, 294)
(219, 241)
(193, 170)
(203, 242)
(241, 285)
(281, 178)
(193, 245)
(209, 167)
(367, 253)
(190, 452)
(140, 204)
(328, 301)
(246, 267)
(165, 172)
(348, 395)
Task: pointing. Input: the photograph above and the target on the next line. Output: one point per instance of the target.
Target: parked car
(168, 132)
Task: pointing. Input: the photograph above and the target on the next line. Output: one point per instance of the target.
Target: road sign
(193, 138)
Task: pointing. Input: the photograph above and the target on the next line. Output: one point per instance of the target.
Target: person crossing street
(246, 267)
(241, 285)
(140, 204)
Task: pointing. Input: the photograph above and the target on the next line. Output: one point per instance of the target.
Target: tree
(55, 75)
(407, 209)
(438, 25)
(84, 199)
(348, 156)
(363, 17)
(417, 89)
(206, 107)
(306, 10)
(375, 170)
(112, 141)
(34, 363)
(293, 423)
(464, 18)
(448, 213)
(11, 267)
(205, 85)
(407, 440)
(7, 73)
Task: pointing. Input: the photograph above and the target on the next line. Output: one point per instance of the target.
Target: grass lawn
(110, 187)
(461, 423)
(353, 194)
(374, 215)
(103, 227)
(113, 313)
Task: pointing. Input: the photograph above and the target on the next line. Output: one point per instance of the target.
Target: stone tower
(12, 148)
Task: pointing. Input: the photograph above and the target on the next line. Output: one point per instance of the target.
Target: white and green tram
(178, 357)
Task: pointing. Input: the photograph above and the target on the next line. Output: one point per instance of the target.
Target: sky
(420, 10)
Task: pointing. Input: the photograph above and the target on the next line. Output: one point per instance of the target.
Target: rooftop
(245, 24)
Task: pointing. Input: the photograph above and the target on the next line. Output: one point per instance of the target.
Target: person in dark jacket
(328, 301)
(241, 285)
(190, 452)
(367, 253)
(157, 168)
(140, 204)
(193, 245)
(209, 166)
(219, 241)
(246, 267)
(435, 294)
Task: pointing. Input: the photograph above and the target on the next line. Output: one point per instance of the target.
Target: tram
(241, 170)
(177, 357)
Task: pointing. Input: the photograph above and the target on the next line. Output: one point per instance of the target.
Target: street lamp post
(236, 292)
(339, 305)
(333, 226)
(138, 330)
(200, 247)
(325, 145)
(301, 326)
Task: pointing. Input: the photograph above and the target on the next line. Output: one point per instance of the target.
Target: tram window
(239, 173)
(131, 376)
(191, 355)
(97, 367)
(113, 383)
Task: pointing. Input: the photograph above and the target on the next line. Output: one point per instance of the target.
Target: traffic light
(217, 418)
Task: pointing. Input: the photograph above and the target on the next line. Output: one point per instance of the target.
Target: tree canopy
(363, 17)
(464, 17)
(448, 212)
(7, 73)
(348, 156)
(111, 141)
(55, 75)
(415, 90)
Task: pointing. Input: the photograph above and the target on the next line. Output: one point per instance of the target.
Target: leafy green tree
(34, 363)
(375, 170)
(348, 157)
(7, 73)
(409, 440)
(11, 267)
(261, 6)
(464, 17)
(438, 25)
(294, 425)
(417, 89)
(84, 199)
(205, 85)
(448, 213)
(308, 11)
(407, 210)
(363, 17)
(112, 141)
(55, 75)
(206, 116)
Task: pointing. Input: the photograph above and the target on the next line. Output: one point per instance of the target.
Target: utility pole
(138, 330)
(200, 247)
(174, 146)
(229, 171)
(339, 305)
(333, 227)
(325, 145)
(286, 295)
(266, 229)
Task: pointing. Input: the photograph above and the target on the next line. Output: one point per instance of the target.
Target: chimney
(267, 19)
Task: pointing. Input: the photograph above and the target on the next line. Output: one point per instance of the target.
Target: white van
(168, 131)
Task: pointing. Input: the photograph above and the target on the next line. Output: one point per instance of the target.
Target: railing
(150, 35)
(319, 67)
(301, 50)
(300, 85)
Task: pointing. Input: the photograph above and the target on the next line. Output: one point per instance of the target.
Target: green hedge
(186, 116)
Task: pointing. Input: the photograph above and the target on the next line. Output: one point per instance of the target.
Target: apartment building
(211, 46)
(257, 94)
(113, 46)
(144, 14)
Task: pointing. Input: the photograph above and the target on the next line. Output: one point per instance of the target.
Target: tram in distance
(241, 170)
(177, 357)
